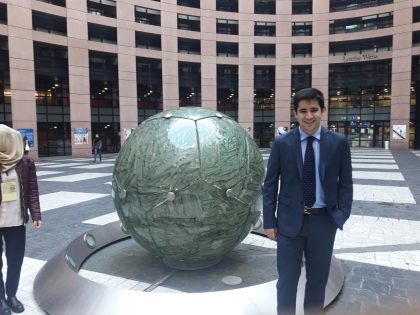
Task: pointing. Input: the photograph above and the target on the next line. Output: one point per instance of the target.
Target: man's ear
(323, 110)
(295, 113)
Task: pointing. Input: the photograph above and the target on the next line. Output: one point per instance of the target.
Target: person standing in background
(26, 147)
(97, 148)
(19, 193)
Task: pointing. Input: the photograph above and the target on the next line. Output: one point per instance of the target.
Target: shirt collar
(304, 135)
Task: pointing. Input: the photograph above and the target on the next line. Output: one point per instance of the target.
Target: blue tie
(309, 181)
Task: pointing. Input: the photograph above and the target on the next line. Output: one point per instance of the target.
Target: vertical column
(21, 61)
(78, 57)
(208, 55)
(283, 64)
(127, 76)
(320, 50)
(246, 66)
(401, 72)
(169, 54)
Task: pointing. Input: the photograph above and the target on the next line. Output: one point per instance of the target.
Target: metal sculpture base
(59, 289)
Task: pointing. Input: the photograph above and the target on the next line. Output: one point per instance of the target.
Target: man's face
(309, 115)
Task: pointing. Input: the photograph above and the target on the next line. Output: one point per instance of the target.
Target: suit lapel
(297, 151)
(324, 146)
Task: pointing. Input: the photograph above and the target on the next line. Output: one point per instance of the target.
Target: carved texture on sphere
(187, 186)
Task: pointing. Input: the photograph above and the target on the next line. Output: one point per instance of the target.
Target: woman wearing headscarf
(19, 193)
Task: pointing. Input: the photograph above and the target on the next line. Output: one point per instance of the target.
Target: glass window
(189, 74)
(301, 50)
(416, 38)
(148, 41)
(49, 23)
(102, 7)
(227, 90)
(102, 33)
(5, 92)
(371, 45)
(147, 16)
(61, 3)
(360, 100)
(364, 23)
(104, 99)
(3, 13)
(227, 5)
(302, 7)
(189, 3)
(227, 49)
(230, 27)
(414, 129)
(189, 46)
(188, 22)
(264, 100)
(416, 14)
(302, 29)
(265, 29)
(264, 50)
(149, 87)
(52, 99)
(301, 79)
(265, 6)
(345, 5)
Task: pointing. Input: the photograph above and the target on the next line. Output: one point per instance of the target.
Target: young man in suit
(313, 165)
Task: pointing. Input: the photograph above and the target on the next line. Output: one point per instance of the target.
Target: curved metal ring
(59, 289)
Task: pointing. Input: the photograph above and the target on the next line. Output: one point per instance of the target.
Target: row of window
(264, 28)
(231, 49)
(108, 7)
(359, 96)
(57, 25)
(3, 13)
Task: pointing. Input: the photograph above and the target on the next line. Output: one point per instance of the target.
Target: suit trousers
(14, 239)
(315, 240)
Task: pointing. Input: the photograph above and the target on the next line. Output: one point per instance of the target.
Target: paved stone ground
(371, 288)
(379, 248)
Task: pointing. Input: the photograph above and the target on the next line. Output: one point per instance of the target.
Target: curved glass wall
(149, 87)
(360, 102)
(104, 99)
(264, 100)
(189, 75)
(5, 92)
(346, 5)
(414, 133)
(227, 90)
(301, 79)
(52, 99)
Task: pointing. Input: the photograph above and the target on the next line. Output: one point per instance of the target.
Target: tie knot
(310, 139)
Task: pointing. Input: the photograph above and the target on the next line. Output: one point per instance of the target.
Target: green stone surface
(187, 186)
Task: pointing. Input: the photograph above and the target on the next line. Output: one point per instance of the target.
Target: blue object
(29, 133)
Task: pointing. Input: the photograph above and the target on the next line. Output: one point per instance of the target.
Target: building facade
(73, 69)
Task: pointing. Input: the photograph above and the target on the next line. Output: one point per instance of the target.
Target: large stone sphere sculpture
(187, 186)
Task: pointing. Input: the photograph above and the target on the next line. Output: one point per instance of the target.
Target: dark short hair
(308, 94)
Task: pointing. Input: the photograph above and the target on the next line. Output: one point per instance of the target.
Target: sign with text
(364, 57)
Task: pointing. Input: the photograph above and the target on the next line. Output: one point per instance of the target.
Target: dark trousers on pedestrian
(14, 239)
(315, 241)
(96, 152)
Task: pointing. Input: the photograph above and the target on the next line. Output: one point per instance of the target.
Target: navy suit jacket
(283, 209)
